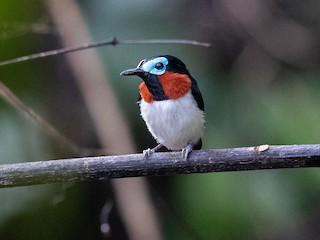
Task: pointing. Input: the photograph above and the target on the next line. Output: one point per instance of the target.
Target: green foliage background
(252, 96)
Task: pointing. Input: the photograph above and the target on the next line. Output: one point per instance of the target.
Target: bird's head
(164, 77)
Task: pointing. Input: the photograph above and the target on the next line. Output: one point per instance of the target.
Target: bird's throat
(169, 85)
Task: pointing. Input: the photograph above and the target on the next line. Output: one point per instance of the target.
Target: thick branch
(159, 164)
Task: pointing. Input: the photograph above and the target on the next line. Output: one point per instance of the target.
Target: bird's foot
(185, 152)
(148, 152)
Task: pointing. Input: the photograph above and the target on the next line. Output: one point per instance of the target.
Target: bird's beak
(133, 71)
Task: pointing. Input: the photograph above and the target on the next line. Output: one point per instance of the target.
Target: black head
(152, 69)
(157, 66)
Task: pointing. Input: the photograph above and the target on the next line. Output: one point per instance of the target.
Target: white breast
(174, 123)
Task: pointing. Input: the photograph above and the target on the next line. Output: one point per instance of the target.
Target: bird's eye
(159, 65)
(155, 66)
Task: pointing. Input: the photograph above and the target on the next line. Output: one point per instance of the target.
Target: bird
(170, 103)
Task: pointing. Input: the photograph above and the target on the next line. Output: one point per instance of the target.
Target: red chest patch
(145, 93)
(175, 85)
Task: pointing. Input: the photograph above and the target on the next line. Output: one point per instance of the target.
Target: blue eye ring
(156, 66)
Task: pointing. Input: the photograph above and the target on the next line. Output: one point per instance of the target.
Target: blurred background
(260, 83)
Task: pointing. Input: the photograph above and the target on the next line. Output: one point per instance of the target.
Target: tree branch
(159, 164)
(45, 126)
(113, 42)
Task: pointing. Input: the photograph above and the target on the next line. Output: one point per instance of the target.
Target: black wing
(197, 94)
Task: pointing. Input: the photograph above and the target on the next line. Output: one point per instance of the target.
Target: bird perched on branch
(171, 104)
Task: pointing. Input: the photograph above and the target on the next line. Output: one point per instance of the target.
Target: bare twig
(159, 164)
(113, 42)
(46, 127)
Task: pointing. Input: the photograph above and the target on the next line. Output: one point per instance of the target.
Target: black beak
(133, 71)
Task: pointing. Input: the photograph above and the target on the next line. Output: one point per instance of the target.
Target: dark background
(260, 83)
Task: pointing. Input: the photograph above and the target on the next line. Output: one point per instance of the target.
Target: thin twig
(159, 164)
(113, 42)
(45, 126)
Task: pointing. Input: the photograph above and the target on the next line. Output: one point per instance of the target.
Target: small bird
(170, 103)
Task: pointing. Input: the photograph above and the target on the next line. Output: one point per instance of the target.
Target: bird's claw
(185, 151)
(147, 153)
